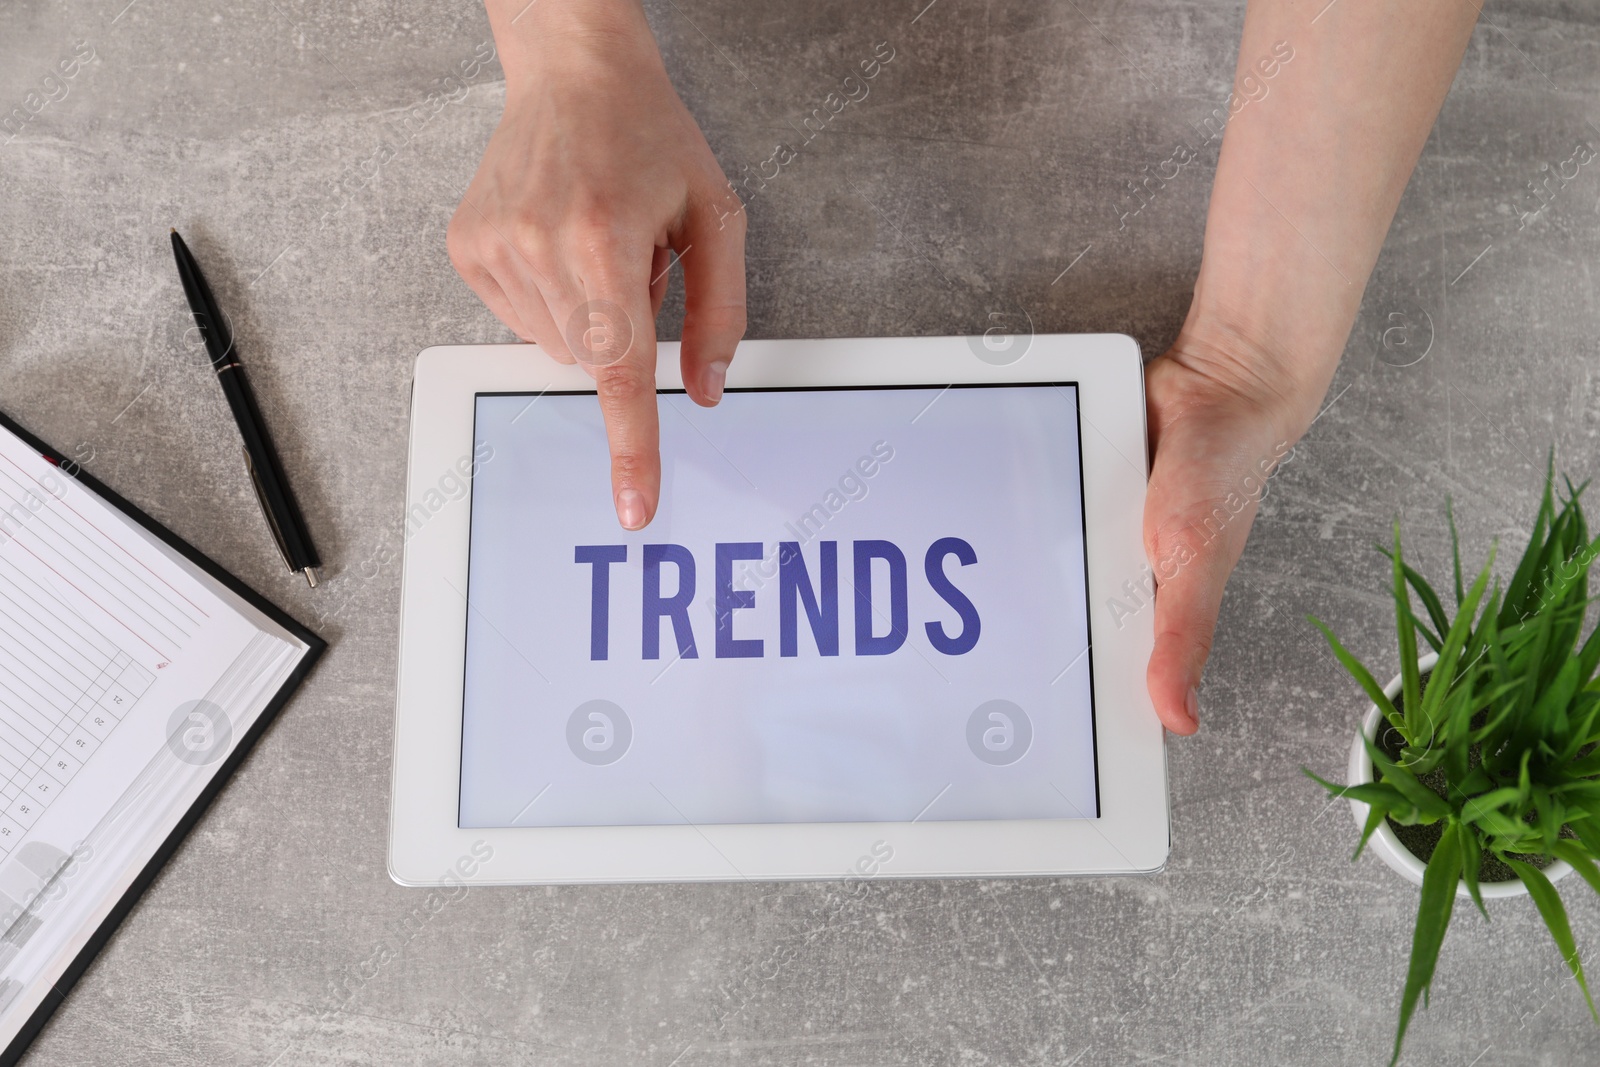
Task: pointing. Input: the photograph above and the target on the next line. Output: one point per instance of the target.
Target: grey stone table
(296, 146)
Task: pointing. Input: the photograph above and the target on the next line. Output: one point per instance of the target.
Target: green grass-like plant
(1497, 743)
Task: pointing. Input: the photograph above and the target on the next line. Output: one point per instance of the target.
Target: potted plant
(1476, 771)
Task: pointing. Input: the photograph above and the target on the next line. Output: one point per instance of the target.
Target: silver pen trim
(266, 513)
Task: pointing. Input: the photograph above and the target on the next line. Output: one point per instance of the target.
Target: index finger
(613, 334)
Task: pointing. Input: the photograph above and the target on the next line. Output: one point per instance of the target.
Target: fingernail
(1192, 705)
(630, 509)
(716, 375)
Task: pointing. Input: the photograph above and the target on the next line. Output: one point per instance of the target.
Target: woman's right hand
(595, 175)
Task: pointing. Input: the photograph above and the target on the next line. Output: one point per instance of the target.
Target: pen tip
(174, 229)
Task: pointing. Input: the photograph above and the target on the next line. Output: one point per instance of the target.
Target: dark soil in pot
(1422, 840)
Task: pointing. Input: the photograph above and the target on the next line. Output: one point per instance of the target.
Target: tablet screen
(853, 604)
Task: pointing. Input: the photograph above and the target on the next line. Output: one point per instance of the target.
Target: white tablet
(889, 621)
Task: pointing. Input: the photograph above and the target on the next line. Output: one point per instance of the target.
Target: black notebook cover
(247, 741)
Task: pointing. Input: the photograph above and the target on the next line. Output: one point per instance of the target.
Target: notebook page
(123, 671)
(86, 884)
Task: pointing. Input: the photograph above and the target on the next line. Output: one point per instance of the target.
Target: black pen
(261, 459)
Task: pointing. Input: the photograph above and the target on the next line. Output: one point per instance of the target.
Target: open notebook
(132, 672)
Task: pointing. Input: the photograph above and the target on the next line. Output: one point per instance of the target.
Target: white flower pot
(1384, 842)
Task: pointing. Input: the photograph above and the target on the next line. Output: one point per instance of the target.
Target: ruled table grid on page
(80, 619)
(45, 741)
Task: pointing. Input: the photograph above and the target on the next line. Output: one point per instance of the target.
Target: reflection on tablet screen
(853, 605)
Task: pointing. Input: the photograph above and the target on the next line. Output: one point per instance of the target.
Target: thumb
(1186, 620)
(1204, 489)
(711, 249)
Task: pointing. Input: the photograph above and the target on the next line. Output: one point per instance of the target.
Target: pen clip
(266, 512)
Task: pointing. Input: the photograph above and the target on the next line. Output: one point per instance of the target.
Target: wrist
(1265, 348)
(1271, 315)
(550, 38)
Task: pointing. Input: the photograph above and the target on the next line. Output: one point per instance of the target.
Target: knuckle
(494, 252)
(1197, 638)
(603, 331)
(458, 241)
(594, 233)
(471, 246)
(722, 320)
(542, 262)
(727, 220)
(717, 198)
(628, 467)
(527, 245)
(1184, 538)
(623, 387)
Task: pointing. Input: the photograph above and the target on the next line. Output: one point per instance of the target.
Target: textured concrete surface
(991, 152)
